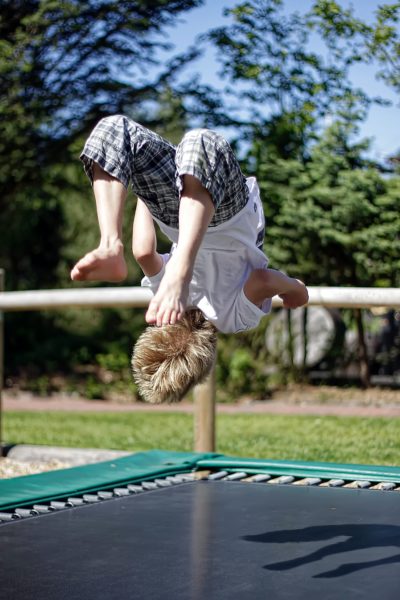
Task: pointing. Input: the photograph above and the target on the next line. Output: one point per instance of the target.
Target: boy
(203, 203)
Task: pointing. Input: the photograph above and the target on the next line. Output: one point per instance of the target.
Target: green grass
(332, 439)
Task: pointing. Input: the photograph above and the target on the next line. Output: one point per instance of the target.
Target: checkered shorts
(154, 167)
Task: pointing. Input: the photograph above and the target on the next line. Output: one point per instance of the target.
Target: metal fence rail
(135, 297)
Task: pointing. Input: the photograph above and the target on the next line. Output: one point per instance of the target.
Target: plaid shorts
(154, 167)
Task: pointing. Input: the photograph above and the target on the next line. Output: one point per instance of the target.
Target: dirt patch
(295, 399)
(338, 396)
(291, 395)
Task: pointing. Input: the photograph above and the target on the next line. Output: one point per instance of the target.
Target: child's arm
(266, 283)
(144, 241)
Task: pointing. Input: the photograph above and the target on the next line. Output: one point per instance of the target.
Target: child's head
(168, 361)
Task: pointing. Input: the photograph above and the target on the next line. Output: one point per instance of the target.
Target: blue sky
(380, 122)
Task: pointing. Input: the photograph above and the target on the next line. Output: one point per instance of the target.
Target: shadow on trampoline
(358, 537)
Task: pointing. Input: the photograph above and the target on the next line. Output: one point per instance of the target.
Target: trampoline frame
(213, 526)
(31, 495)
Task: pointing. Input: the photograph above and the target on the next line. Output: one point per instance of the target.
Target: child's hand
(169, 304)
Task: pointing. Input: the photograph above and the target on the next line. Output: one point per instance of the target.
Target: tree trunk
(290, 339)
(305, 342)
(362, 350)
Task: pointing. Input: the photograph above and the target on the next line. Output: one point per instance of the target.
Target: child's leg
(144, 241)
(119, 152)
(266, 283)
(105, 263)
(195, 213)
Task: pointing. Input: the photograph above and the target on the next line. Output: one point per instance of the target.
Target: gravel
(14, 468)
(25, 459)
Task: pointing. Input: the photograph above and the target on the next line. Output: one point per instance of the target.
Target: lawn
(333, 439)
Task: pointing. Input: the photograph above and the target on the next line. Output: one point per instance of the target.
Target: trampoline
(164, 525)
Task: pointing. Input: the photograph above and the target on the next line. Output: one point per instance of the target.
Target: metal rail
(133, 297)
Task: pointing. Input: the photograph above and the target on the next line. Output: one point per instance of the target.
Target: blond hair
(168, 361)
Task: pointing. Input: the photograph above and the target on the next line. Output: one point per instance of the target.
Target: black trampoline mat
(209, 540)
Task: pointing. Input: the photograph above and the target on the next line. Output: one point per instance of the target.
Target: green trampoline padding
(299, 468)
(44, 487)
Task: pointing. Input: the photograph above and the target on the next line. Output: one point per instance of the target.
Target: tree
(376, 43)
(339, 207)
(64, 65)
(274, 77)
(71, 62)
(339, 221)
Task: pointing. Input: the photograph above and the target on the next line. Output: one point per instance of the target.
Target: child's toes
(168, 317)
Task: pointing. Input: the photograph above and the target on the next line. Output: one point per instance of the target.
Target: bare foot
(102, 264)
(296, 297)
(169, 303)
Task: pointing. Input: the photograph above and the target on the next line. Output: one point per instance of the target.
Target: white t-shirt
(227, 256)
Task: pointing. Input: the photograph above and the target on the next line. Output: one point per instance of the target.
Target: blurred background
(307, 93)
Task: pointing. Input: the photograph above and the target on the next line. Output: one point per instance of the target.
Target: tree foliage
(273, 74)
(67, 63)
(63, 66)
(376, 44)
(339, 219)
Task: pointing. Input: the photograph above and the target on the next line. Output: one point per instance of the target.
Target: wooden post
(1, 362)
(204, 414)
